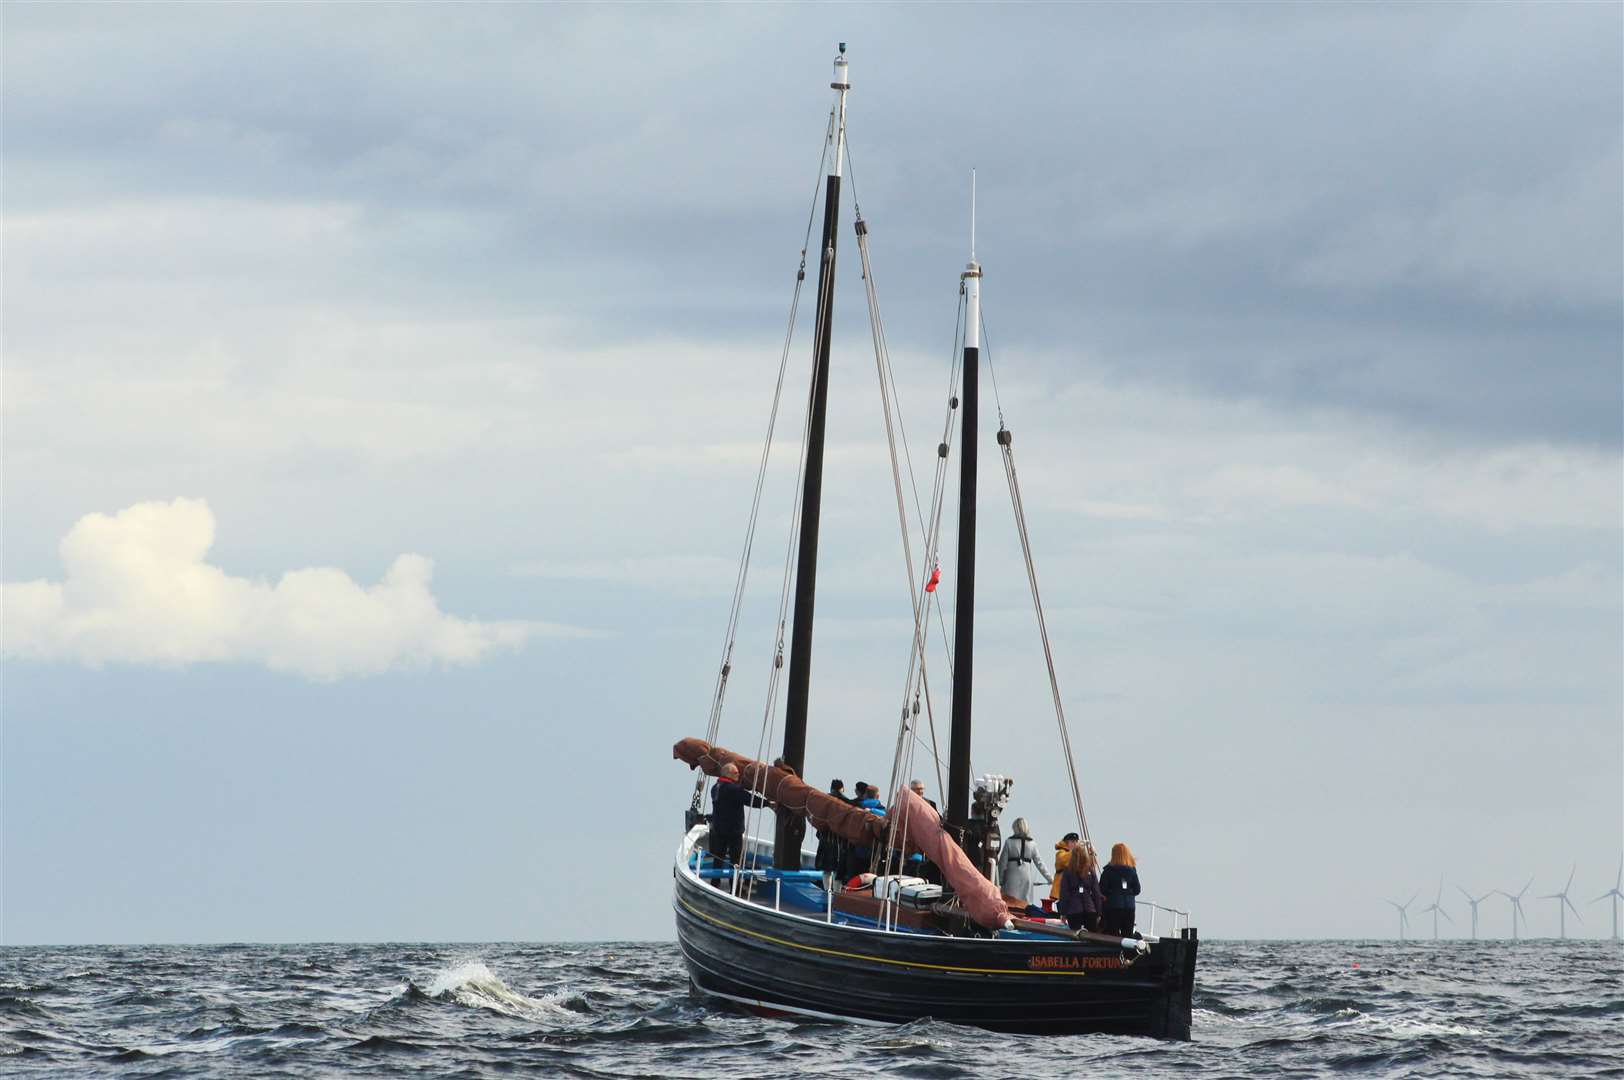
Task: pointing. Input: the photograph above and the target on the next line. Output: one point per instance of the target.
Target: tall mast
(792, 827)
(964, 594)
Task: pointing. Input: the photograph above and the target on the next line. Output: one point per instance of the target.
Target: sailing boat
(765, 931)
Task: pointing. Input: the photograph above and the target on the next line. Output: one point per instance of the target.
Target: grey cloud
(1252, 200)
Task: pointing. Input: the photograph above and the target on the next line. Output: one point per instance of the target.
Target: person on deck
(1080, 897)
(729, 800)
(1016, 859)
(1062, 856)
(857, 858)
(918, 865)
(831, 848)
(1120, 883)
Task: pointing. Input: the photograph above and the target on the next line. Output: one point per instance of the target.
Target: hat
(833, 784)
(1069, 836)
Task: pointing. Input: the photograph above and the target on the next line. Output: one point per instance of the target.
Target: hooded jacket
(1120, 885)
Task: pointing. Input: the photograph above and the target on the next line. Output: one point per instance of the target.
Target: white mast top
(841, 83)
(972, 280)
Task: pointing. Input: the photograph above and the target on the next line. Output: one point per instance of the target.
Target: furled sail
(922, 829)
(787, 791)
(919, 825)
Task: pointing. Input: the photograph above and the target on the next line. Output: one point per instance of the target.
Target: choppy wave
(473, 984)
(1262, 1009)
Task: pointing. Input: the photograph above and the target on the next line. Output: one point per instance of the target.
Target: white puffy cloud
(138, 590)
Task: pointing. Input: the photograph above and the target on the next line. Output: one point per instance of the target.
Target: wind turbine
(1478, 901)
(1403, 914)
(1617, 893)
(1436, 908)
(1563, 903)
(1516, 906)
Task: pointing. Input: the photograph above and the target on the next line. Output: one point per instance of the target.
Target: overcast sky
(383, 387)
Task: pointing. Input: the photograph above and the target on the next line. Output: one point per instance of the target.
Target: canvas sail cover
(919, 826)
(787, 791)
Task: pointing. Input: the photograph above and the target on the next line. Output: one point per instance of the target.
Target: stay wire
(730, 637)
(770, 709)
(769, 712)
(888, 388)
(891, 406)
(1018, 504)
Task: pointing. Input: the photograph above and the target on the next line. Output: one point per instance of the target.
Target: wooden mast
(791, 827)
(964, 593)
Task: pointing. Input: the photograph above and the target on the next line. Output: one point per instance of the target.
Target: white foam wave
(1287, 1024)
(1208, 1017)
(473, 984)
(1401, 1026)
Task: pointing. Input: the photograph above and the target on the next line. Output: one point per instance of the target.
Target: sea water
(1274, 1009)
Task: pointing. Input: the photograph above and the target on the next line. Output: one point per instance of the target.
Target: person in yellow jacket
(1062, 858)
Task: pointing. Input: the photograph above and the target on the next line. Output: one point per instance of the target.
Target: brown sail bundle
(787, 791)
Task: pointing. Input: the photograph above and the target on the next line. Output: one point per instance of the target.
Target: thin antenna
(972, 215)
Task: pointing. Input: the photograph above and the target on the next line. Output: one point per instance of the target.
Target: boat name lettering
(1073, 963)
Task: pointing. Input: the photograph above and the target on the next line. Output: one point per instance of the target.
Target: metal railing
(693, 857)
(1181, 919)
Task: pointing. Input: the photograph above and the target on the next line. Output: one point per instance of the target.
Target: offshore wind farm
(1517, 925)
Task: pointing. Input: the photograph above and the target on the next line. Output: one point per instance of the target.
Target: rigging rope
(769, 710)
(920, 601)
(917, 595)
(1007, 454)
(742, 575)
(922, 597)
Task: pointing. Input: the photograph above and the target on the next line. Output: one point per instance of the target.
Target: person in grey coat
(1017, 858)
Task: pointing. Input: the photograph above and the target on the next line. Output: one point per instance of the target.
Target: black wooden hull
(780, 962)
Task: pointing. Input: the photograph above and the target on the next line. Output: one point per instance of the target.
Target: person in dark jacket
(729, 800)
(831, 848)
(1080, 898)
(858, 858)
(1120, 883)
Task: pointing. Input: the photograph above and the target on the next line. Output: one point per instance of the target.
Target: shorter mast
(964, 594)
